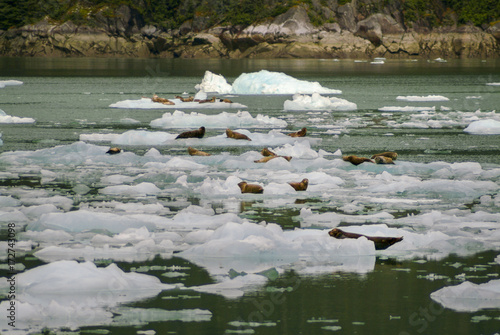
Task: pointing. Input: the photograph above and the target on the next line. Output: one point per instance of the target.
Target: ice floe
(4, 118)
(179, 119)
(315, 101)
(422, 98)
(469, 297)
(147, 103)
(406, 109)
(71, 294)
(4, 83)
(262, 82)
(484, 127)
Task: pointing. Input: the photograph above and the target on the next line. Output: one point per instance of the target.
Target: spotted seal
(356, 160)
(196, 152)
(198, 133)
(236, 135)
(300, 133)
(250, 188)
(300, 186)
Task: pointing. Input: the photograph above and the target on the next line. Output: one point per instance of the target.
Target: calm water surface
(70, 97)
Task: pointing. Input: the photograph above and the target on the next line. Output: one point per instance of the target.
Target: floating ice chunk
(147, 103)
(299, 149)
(318, 102)
(262, 82)
(129, 316)
(406, 109)
(267, 82)
(70, 294)
(4, 83)
(422, 98)
(78, 221)
(216, 83)
(4, 118)
(469, 297)
(143, 137)
(484, 127)
(220, 187)
(493, 84)
(179, 119)
(139, 190)
(235, 287)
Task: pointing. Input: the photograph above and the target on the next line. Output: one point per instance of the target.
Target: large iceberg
(262, 82)
(317, 102)
(484, 127)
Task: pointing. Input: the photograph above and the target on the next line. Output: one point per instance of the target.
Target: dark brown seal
(300, 186)
(383, 160)
(391, 154)
(266, 152)
(356, 160)
(381, 242)
(114, 151)
(250, 188)
(300, 133)
(196, 152)
(236, 135)
(184, 99)
(198, 133)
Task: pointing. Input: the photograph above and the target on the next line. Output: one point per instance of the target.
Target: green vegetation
(170, 14)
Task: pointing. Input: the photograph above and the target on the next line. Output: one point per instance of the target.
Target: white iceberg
(317, 102)
(262, 82)
(147, 103)
(179, 119)
(469, 297)
(484, 127)
(4, 118)
(422, 98)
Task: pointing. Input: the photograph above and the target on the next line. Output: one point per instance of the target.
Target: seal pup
(383, 160)
(114, 151)
(250, 188)
(184, 99)
(196, 152)
(162, 100)
(381, 242)
(198, 133)
(266, 152)
(300, 186)
(391, 154)
(356, 160)
(300, 133)
(236, 135)
(268, 158)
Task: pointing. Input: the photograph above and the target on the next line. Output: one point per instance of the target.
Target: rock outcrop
(289, 35)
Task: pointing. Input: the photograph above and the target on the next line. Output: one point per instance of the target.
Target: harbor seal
(391, 154)
(383, 160)
(196, 152)
(250, 188)
(300, 186)
(184, 99)
(114, 151)
(198, 133)
(236, 135)
(300, 133)
(162, 100)
(356, 160)
(266, 152)
(381, 242)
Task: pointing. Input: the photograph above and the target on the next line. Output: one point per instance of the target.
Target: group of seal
(381, 242)
(165, 101)
(387, 157)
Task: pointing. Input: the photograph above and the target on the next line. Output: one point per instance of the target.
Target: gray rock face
(375, 26)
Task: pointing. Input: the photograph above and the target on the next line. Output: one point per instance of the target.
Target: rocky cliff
(289, 35)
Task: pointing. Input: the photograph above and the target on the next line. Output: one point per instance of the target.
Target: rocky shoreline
(289, 35)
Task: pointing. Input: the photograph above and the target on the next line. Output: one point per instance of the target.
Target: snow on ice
(315, 101)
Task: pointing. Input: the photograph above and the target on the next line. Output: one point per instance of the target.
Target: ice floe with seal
(469, 297)
(316, 101)
(5, 118)
(484, 127)
(147, 103)
(262, 82)
(4, 83)
(422, 98)
(72, 295)
(179, 119)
